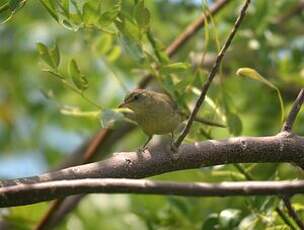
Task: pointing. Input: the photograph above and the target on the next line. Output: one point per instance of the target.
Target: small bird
(156, 113)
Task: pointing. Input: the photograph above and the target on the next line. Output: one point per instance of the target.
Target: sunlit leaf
(228, 174)
(49, 6)
(78, 78)
(114, 54)
(45, 55)
(103, 44)
(76, 112)
(89, 14)
(69, 25)
(132, 48)
(109, 16)
(129, 29)
(253, 74)
(229, 218)
(142, 15)
(55, 55)
(174, 68)
(66, 7)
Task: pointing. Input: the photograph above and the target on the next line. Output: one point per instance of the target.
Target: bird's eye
(136, 97)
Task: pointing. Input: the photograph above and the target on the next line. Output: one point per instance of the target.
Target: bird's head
(137, 100)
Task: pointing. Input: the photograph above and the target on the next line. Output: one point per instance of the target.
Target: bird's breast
(158, 122)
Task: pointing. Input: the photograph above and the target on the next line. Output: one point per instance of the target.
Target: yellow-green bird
(156, 113)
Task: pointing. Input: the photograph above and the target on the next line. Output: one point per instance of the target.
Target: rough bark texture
(284, 147)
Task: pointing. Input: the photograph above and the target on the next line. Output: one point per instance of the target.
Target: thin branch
(4, 7)
(98, 140)
(292, 213)
(24, 194)
(294, 112)
(212, 73)
(249, 177)
(285, 218)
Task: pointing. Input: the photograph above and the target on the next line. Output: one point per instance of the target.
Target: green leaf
(132, 49)
(114, 54)
(45, 55)
(229, 218)
(78, 78)
(103, 44)
(110, 118)
(77, 9)
(142, 15)
(179, 204)
(89, 14)
(76, 112)
(49, 6)
(234, 124)
(129, 29)
(211, 223)
(253, 74)
(55, 55)
(109, 16)
(174, 68)
(15, 4)
(66, 7)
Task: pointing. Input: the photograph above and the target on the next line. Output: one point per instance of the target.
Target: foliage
(67, 64)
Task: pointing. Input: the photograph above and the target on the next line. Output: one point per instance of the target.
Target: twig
(285, 218)
(171, 50)
(292, 213)
(212, 74)
(294, 112)
(22, 194)
(4, 7)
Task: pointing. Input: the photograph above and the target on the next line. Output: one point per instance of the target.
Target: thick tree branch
(212, 73)
(292, 213)
(23, 194)
(294, 112)
(284, 147)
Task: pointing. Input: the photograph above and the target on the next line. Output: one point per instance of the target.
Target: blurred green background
(38, 129)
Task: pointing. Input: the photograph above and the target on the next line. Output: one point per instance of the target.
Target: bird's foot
(173, 151)
(173, 147)
(142, 149)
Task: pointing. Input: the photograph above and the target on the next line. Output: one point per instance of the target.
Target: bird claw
(173, 147)
(142, 149)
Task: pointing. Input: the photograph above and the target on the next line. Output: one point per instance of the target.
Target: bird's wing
(166, 98)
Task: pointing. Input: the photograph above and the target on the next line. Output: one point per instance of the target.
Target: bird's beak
(122, 105)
